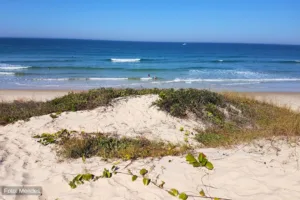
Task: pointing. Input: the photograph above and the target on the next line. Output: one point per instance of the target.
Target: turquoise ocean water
(85, 64)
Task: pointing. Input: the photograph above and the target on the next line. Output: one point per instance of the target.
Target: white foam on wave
(244, 83)
(51, 79)
(146, 79)
(125, 59)
(80, 79)
(50, 85)
(4, 66)
(91, 79)
(205, 71)
(107, 79)
(7, 73)
(22, 84)
(232, 80)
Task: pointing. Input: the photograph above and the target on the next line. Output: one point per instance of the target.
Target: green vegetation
(85, 145)
(204, 104)
(48, 138)
(210, 139)
(178, 102)
(263, 121)
(201, 162)
(19, 110)
(53, 116)
(209, 107)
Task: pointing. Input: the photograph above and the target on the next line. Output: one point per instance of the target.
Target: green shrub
(17, 110)
(96, 144)
(176, 102)
(210, 139)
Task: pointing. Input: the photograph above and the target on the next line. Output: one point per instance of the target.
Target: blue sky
(247, 21)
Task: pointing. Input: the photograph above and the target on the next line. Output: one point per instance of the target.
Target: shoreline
(284, 99)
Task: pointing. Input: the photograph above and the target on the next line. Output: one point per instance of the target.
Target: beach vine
(143, 175)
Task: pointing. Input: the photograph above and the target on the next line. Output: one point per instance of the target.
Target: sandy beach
(36, 95)
(264, 169)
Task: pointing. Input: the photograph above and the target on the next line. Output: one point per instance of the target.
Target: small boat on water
(184, 44)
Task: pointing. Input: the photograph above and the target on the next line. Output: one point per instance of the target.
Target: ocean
(86, 64)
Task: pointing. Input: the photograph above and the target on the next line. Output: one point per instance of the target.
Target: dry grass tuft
(18, 110)
(75, 145)
(267, 121)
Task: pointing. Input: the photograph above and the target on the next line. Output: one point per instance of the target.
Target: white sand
(263, 170)
(26, 95)
(284, 99)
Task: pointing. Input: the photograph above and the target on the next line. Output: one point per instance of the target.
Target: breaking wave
(234, 80)
(4, 66)
(7, 73)
(97, 79)
(122, 60)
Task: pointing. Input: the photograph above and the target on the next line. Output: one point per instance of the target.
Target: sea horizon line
(144, 41)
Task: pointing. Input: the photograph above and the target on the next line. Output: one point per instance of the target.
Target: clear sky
(247, 21)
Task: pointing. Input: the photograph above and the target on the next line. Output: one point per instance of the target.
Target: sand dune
(266, 169)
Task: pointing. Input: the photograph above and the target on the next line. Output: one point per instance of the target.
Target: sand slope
(247, 172)
(262, 170)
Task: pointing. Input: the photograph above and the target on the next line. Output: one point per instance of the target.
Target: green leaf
(143, 172)
(106, 173)
(196, 164)
(72, 185)
(78, 177)
(87, 177)
(183, 196)
(190, 158)
(209, 165)
(201, 156)
(173, 192)
(134, 177)
(109, 175)
(202, 193)
(83, 158)
(146, 181)
(204, 161)
(187, 133)
(216, 198)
